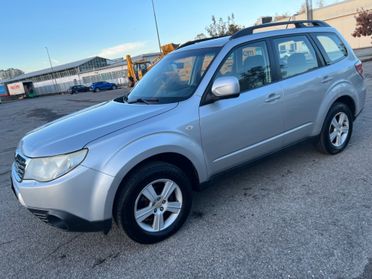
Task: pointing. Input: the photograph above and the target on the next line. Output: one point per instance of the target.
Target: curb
(366, 59)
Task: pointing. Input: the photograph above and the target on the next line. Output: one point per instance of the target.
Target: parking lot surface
(296, 214)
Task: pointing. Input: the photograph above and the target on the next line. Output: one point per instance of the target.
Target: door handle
(326, 79)
(272, 98)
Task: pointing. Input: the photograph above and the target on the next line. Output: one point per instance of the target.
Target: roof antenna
(290, 18)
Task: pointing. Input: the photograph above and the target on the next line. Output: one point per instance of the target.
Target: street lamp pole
(156, 24)
(51, 67)
(309, 9)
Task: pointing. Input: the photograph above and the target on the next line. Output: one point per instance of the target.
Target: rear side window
(333, 47)
(296, 55)
(250, 64)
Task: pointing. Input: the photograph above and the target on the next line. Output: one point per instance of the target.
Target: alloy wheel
(158, 205)
(339, 129)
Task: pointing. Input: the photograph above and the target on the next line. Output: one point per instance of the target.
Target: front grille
(20, 166)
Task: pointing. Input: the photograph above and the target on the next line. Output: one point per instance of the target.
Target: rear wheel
(114, 87)
(154, 202)
(336, 130)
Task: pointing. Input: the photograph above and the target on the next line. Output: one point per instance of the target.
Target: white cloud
(122, 50)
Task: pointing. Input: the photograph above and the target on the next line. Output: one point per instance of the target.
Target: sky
(77, 29)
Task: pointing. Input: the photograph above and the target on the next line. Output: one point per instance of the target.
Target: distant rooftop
(59, 68)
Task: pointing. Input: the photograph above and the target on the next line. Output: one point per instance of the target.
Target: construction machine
(137, 69)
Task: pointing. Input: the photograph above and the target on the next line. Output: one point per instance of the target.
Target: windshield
(174, 78)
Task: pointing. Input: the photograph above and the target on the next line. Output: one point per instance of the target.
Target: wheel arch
(173, 158)
(347, 100)
(347, 97)
(173, 148)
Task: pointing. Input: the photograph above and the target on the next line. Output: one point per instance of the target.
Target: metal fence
(57, 86)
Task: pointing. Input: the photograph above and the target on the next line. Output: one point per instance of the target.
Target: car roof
(205, 43)
(300, 27)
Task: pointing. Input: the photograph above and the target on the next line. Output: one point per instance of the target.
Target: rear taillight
(359, 68)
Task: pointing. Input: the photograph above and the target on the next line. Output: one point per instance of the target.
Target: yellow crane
(137, 69)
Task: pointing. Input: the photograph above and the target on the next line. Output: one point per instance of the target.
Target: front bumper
(74, 202)
(67, 221)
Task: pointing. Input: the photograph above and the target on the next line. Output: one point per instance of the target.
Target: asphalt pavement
(296, 214)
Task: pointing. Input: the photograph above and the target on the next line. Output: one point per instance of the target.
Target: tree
(363, 24)
(10, 73)
(278, 17)
(221, 28)
(302, 8)
(200, 36)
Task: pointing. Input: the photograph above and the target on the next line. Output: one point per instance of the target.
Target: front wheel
(154, 202)
(336, 130)
(114, 87)
(97, 90)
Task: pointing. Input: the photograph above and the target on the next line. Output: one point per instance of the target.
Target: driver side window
(183, 67)
(250, 64)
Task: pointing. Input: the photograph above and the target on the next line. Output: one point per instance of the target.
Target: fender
(143, 148)
(337, 90)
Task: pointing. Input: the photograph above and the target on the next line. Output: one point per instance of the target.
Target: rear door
(334, 52)
(106, 85)
(298, 62)
(239, 129)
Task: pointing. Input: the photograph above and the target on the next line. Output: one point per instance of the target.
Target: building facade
(342, 17)
(83, 72)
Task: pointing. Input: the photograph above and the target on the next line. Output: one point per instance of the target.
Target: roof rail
(296, 23)
(198, 41)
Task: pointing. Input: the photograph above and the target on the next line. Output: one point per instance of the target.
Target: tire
(327, 141)
(130, 197)
(97, 90)
(131, 82)
(114, 87)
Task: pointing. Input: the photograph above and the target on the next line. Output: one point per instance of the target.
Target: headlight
(49, 168)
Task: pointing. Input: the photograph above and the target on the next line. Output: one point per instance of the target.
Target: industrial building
(60, 78)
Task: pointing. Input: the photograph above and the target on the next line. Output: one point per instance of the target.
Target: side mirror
(225, 87)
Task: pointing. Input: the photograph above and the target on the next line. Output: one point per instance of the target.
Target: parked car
(102, 85)
(78, 88)
(205, 108)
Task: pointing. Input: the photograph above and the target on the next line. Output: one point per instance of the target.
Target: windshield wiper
(144, 100)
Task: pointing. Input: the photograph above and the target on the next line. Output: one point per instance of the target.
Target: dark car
(102, 85)
(78, 88)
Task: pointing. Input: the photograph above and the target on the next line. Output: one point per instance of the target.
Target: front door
(240, 129)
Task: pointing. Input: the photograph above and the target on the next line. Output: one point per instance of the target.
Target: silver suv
(209, 106)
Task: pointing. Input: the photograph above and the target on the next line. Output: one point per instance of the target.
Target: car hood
(74, 131)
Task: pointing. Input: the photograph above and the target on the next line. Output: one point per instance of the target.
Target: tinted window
(175, 77)
(296, 55)
(207, 60)
(250, 64)
(333, 47)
